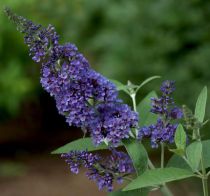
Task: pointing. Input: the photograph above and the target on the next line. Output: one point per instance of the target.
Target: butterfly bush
(90, 101)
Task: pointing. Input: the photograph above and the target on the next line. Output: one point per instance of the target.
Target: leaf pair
(191, 154)
(125, 88)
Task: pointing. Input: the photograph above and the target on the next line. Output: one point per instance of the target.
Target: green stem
(204, 176)
(165, 190)
(151, 166)
(133, 97)
(162, 155)
(128, 179)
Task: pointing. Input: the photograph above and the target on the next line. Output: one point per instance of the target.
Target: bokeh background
(122, 40)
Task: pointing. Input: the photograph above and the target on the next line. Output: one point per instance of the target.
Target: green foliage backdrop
(121, 39)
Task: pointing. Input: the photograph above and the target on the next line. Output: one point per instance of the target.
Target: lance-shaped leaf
(80, 144)
(139, 157)
(180, 137)
(178, 162)
(206, 153)
(138, 154)
(201, 105)
(193, 153)
(143, 108)
(159, 176)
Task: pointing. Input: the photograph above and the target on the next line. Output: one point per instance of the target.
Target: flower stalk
(204, 175)
(162, 155)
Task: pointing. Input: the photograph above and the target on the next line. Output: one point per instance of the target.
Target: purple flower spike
(86, 98)
(167, 87)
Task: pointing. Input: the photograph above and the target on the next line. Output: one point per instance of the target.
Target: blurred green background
(121, 39)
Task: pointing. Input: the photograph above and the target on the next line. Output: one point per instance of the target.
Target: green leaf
(158, 176)
(178, 162)
(138, 154)
(144, 107)
(137, 192)
(193, 153)
(120, 86)
(139, 157)
(177, 151)
(180, 137)
(201, 105)
(206, 152)
(80, 144)
(147, 81)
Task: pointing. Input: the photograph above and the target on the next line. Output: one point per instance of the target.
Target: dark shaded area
(39, 128)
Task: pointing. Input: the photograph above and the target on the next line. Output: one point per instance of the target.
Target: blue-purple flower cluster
(120, 162)
(76, 159)
(103, 172)
(113, 122)
(86, 98)
(163, 131)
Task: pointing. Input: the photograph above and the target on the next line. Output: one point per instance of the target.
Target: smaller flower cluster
(120, 162)
(103, 172)
(163, 131)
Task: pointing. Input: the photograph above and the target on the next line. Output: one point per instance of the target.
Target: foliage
(80, 144)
